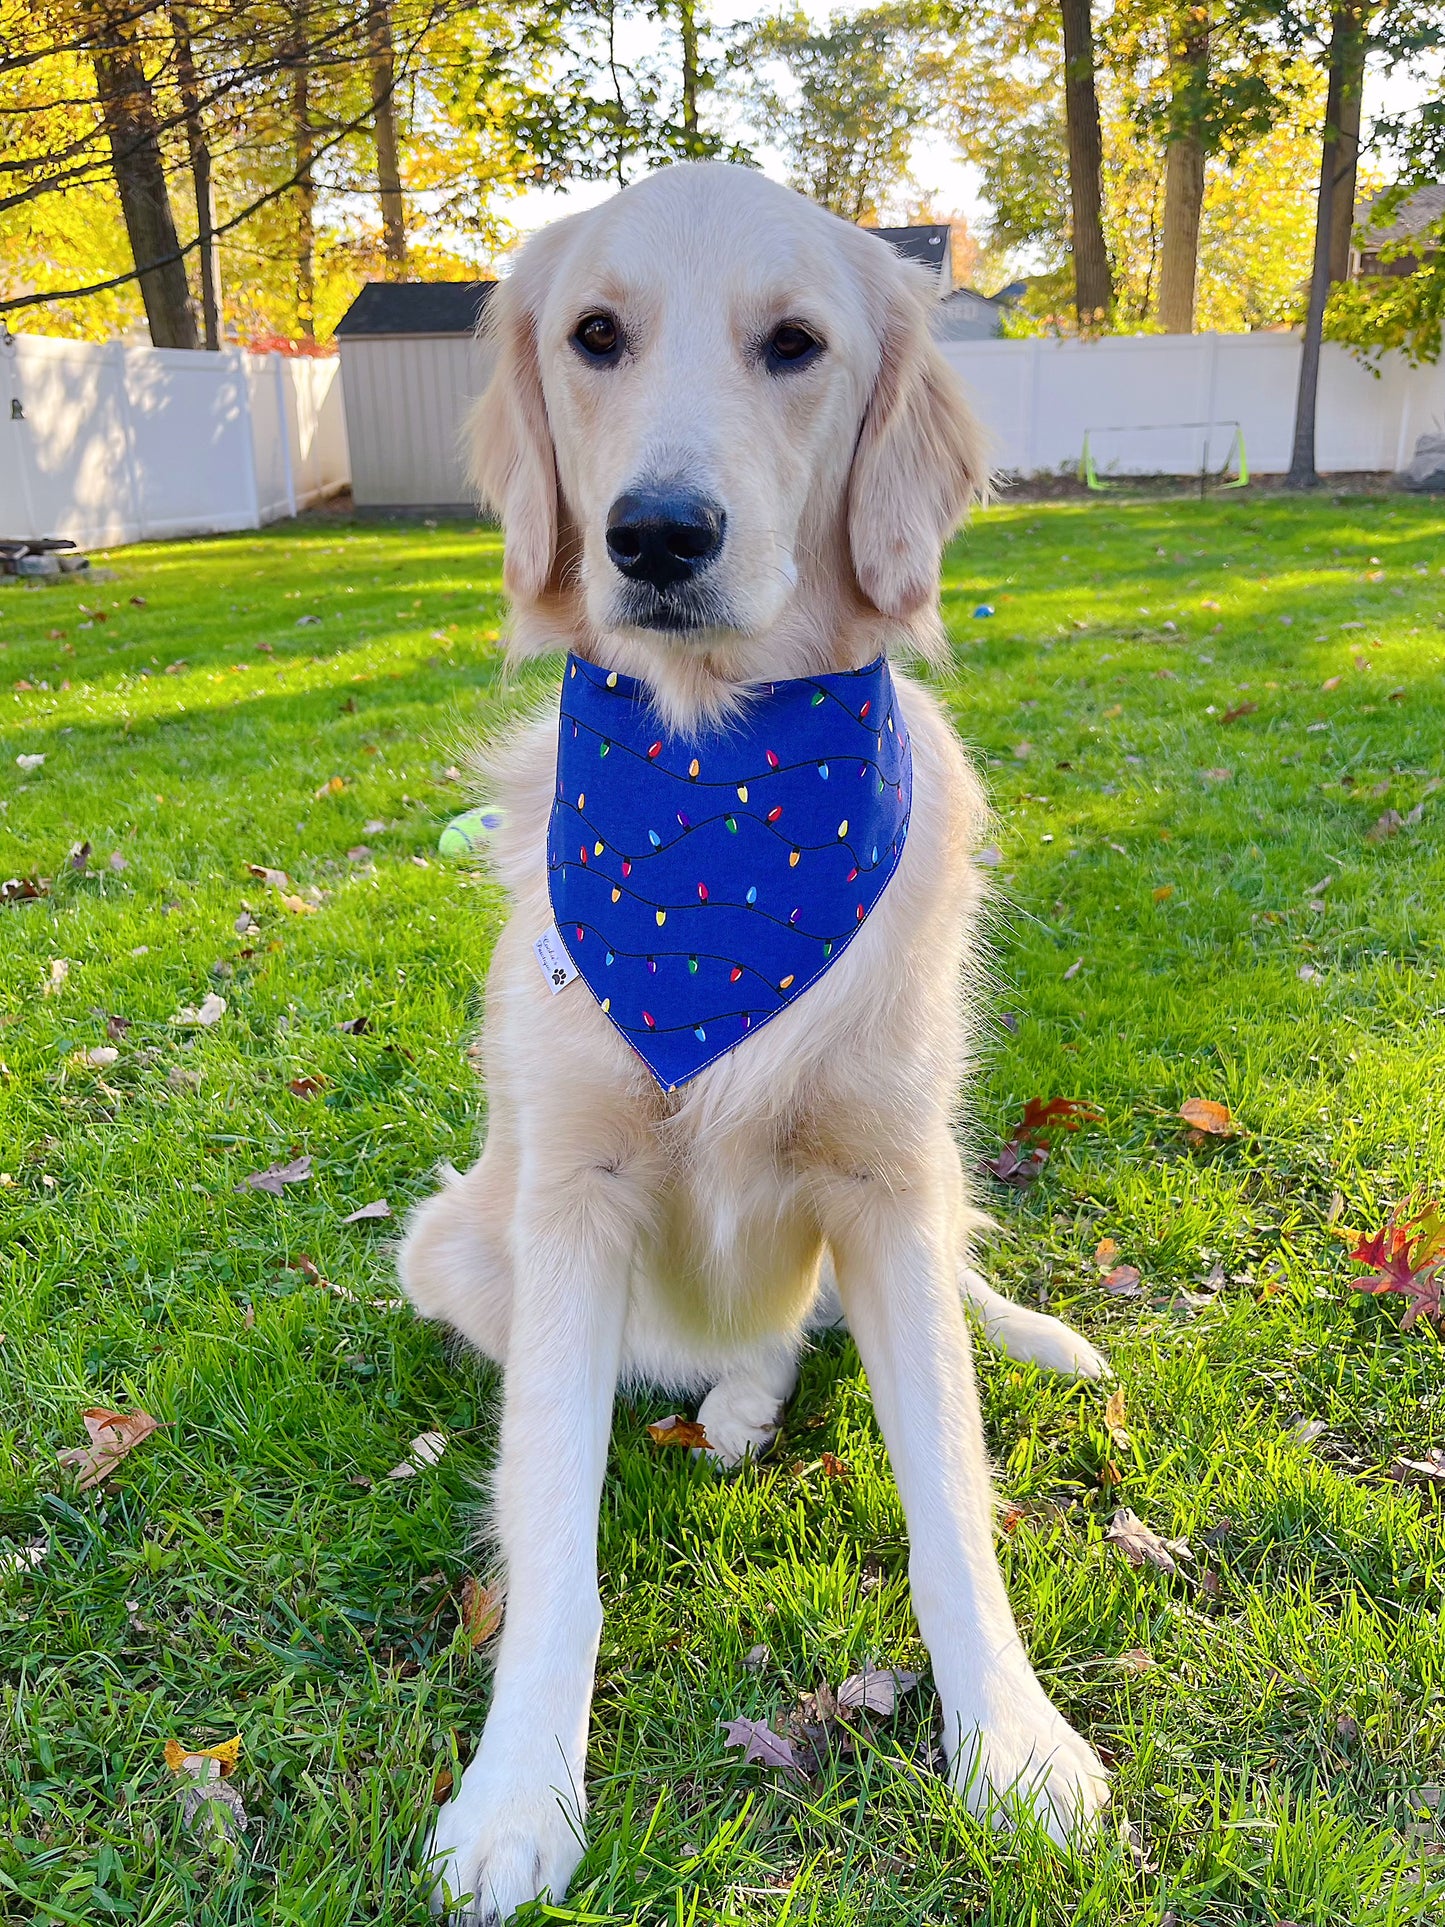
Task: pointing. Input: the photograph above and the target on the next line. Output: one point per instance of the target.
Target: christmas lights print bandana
(701, 883)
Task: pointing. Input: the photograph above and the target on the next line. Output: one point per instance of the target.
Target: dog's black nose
(664, 536)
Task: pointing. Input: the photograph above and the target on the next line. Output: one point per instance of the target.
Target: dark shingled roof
(925, 244)
(416, 308)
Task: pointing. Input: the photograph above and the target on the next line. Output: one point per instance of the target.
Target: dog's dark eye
(792, 346)
(598, 335)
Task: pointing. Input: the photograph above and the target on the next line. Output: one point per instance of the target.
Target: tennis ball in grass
(472, 833)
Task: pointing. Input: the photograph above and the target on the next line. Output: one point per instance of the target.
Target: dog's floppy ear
(512, 464)
(920, 459)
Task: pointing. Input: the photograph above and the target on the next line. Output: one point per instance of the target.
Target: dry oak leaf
(481, 1610)
(1123, 1282)
(306, 1086)
(378, 1208)
(1207, 1118)
(426, 1449)
(1406, 1258)
(875, 1690)
(112, 1435)
(1427, 1471)
(277, 878)
(276, 1176)
(676, 1430)
(834, 1467)
(759, 1742)
(1143, 1547)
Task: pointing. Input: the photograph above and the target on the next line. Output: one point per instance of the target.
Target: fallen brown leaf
(1136, 1661)
(426, 1449)
(834, 1467)
(1243, 709)
(1384, 827)
(306, 1086)
(761, 1744)
(676, 1430)
(1116, 1420)
(1106, 1253)
(1123, 1282)
(481, 1610)
(278, 879)
(209, 1013)
(23, 889)
(875, 1690)
(112, 1436)
(298, 906)
(355, 1026)
(1212, 1119)
(276, 1176)
(79, 857)
(1143, 1547)
(1427, 1471)
(378, 1208)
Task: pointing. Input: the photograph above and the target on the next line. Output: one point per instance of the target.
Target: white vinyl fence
(109, 444)
(1171, 404)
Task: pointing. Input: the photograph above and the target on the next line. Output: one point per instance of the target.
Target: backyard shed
(410, 367)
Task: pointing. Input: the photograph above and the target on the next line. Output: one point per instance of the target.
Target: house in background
(963, 314)
(1424, 209)
(410, 368)
(930, 247)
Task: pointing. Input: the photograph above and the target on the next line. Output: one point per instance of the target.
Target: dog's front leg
(898, 1279)
(514, 1829)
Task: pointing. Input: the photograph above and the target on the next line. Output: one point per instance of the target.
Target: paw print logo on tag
(557, 966)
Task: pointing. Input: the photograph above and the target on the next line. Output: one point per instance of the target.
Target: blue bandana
(701, 883)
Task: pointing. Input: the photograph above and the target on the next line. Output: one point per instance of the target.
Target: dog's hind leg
(455, 1261)
(742, 1412)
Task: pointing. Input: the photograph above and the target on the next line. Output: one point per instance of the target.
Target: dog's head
(715, 406)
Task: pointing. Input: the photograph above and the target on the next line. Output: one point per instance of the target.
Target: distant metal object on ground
(1236, 457)
(1425, 474)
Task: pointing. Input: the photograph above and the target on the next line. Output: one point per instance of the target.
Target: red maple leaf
(1406, 1257)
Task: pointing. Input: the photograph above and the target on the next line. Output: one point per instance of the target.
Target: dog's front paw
(501, 1843)
(741, 1419)
(1024, 1754)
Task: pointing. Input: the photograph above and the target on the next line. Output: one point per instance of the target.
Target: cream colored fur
(609, 1230)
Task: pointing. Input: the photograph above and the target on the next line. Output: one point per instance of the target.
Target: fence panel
(109, 444)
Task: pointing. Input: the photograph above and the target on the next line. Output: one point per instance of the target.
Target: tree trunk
(1346, 28)
(687, 26)
(1347, 156)
(128, 110)
(1093, 284)
(1184, 175)
(199, 148)
(388, 169)
(304, 144)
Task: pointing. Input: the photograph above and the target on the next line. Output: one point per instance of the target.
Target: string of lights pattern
(702, 883)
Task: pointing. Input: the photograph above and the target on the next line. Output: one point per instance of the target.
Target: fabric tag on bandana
(551, 953)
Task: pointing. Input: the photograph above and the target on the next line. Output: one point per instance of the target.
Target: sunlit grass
(1281, 1757)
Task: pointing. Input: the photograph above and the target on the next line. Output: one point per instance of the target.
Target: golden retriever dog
(726, 455)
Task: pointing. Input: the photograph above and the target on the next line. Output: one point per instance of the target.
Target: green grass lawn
(1188, 905)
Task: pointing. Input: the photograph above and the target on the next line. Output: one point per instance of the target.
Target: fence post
(251, 479)
(117, 354)
(278, 362)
